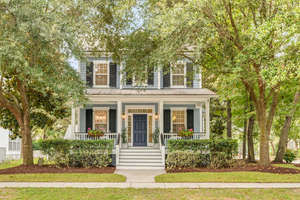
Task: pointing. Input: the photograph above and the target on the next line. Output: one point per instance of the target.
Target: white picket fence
(2, 154)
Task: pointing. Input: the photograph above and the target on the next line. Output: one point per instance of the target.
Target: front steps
(140, 158)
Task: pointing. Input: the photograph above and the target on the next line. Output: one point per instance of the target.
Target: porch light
(123, 116)
(156, 116)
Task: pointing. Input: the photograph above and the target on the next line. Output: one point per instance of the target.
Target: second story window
(101, 74)
(178, 75)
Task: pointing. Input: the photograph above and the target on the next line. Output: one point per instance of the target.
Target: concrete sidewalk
(146, 185)
(139, 176)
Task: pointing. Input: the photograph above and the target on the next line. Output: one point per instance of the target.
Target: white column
(73, 120)
(158, 78)
(79, 119)
(121, 75)
(201, 118)
(161, 116)
(207, 118)
(119, 116)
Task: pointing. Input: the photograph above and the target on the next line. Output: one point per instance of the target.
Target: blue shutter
(167, 121)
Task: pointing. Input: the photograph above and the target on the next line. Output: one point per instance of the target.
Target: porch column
(119, 116)
(79, 119)
(161, 116)
(207, 118)
(73, 120)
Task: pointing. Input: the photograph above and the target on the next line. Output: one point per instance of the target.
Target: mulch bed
(21, 169)
(246, 168)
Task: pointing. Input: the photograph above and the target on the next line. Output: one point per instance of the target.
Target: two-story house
(168, 101)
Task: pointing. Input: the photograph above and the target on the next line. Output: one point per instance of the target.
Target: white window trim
(94, 74)
(171, 76)
(185, 117)
(107, 117)
(148, 114)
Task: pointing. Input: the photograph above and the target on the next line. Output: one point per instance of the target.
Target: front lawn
(61, 177)
(290, 166)
(149, 194)
(228, 177)
(10, 163)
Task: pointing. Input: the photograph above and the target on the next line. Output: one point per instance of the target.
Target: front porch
(139, 117)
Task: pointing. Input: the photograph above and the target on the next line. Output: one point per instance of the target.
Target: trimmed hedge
(201, 153)
(78, 153)
(229, 146)
(187, 159)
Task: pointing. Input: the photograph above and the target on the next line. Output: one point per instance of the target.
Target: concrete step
(140, 167)
(140, 150)
(141, 164)
(140, 153)
(140, 161)
(156, 157)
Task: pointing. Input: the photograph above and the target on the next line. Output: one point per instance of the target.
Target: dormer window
(101, 74)
(178, 75)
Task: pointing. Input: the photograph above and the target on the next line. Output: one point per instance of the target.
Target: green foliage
(217, 153)
(124, 135)
(229, 146)
(78, 153)
(186, 159)
(155, 136)
(289, 156)
(220, 160)
(193, 145)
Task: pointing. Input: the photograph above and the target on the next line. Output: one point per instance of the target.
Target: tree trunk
(244, 138)
(27, 152)
(251, 157)
(229, 118)
(285, 130)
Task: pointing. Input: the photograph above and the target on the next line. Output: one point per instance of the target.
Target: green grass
(286, 166)
(228, 177)
(67, 177)
(149, 194)
(9, 164)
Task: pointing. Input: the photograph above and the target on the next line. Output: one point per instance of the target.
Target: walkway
(139, 176)
(146, 185)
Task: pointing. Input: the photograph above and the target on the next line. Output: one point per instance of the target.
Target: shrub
(78, 153)
(217, 153)
(192, 145)
(289, 156)
(186, 159)
(220, 160)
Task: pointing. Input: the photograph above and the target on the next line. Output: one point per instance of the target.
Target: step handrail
(118, 145)
(162, 147)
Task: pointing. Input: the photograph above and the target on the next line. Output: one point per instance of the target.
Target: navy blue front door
(139, 130)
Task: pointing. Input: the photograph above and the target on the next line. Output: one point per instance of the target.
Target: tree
(37, 37)
(286, 127)
(250, 43)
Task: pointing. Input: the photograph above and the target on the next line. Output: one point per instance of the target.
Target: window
(178, 120)
(101, 75)
(14, 145)
(178, 75)
(100, 119)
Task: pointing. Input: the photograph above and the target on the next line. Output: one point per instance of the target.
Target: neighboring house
(12, 147)
(168, 101)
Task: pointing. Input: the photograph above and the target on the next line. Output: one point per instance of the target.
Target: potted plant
(96, 132)
(185, 133)
(155, 137)
(124, 138)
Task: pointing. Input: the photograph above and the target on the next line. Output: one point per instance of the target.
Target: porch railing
(107, 136)
(174, 136)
